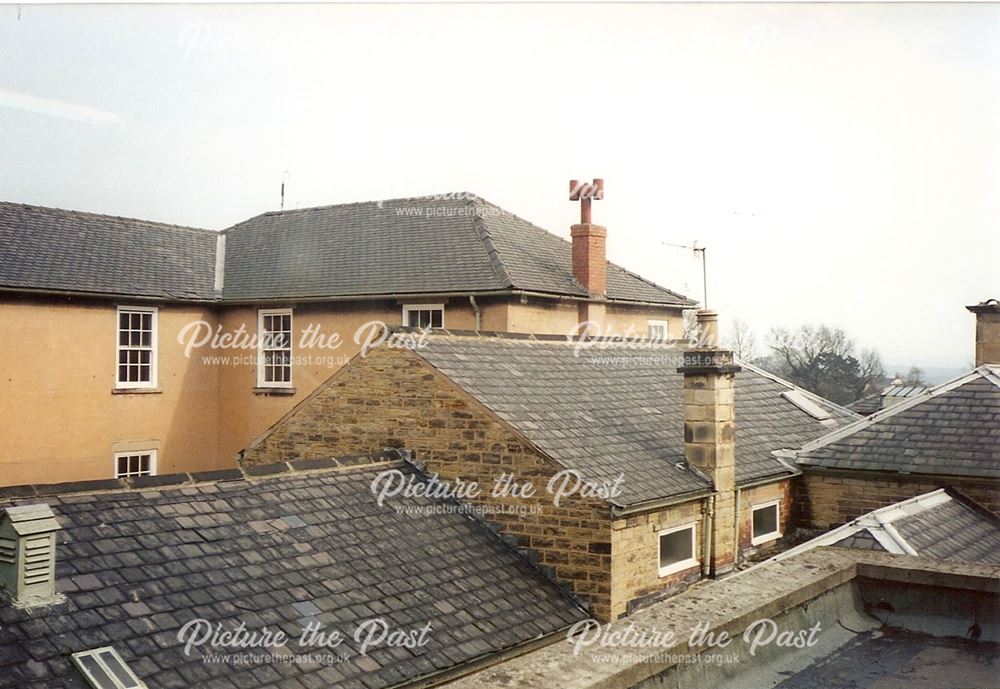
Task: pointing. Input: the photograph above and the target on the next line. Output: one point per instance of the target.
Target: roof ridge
(608, 261)
(447, 196)
(492, 252)
(538, 228)
(157, 223)
(888, 412)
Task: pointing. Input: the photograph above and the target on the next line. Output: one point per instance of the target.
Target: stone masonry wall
(393, 398)
(749, 497)
(825, 501)
(635, 549)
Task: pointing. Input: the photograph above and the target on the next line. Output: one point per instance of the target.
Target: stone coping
(730, 605)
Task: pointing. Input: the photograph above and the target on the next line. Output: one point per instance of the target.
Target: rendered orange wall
(560, 318)
(59, 420)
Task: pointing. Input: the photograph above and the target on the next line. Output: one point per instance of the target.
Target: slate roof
(952, 430)
(618, 409)
(943, 524)
(275, 551)
(54, 249)
(409, 246)
(869, 404)
(392, 248)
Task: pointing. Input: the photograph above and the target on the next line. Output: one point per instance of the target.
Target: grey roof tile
(339, 573)
(952, 430)
(615, 409)
(55, 249)
(406, 246)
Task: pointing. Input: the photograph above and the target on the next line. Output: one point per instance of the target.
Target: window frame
(407, 308)
(756, 539)
(659, 323)
(153, 349)
(680, 565)
(95, 655)
(132, 453)
(261, 313)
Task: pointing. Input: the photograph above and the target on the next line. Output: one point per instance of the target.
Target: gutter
(109, 295)
(807, 469)
(624, 511)
(330, 298)
(766, 480)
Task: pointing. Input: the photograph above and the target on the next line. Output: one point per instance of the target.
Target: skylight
(797, 398)
(105, 669)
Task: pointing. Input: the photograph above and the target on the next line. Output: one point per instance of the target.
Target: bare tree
(915, 376)
(742, 341)
(824, 360)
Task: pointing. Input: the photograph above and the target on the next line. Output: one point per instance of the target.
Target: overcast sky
(841, 162)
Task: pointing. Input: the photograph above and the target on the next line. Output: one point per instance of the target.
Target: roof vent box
(28, 554)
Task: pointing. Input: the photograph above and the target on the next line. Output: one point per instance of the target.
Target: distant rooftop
(455, 243)
(949, 430)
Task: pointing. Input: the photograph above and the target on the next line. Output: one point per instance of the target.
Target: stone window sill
(274, 391)
(136, 391)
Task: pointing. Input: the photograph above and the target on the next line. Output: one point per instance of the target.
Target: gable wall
(825, 500)
(393, 398)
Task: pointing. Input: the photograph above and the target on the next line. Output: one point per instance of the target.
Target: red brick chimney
(589, 252)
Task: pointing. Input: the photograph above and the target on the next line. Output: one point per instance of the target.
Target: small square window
(677, 550)
(128, 464)
(658, 330)
(423, 316)
(765, 523)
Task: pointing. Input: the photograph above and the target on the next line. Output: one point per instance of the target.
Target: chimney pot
(708, 329)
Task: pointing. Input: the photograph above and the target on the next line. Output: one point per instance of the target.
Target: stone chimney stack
(710, 434)
(589, 252)
(987, 332)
